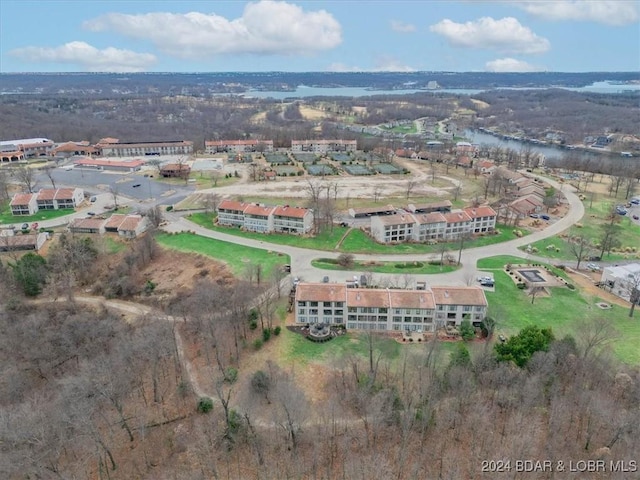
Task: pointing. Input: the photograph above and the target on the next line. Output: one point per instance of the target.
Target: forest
(202, 383)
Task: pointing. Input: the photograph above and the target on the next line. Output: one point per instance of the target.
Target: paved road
(301, 258)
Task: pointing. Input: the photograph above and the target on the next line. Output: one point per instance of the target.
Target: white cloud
(386, 63)
(510, 65)
(506, 35)
(609, 12)
(266, 27)
(88, 58)
(398, 26)
(341, 67)
(382, 64)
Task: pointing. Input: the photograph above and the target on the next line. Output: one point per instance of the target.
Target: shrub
(276, 331)
(266, 334)
(571, 286)
(257, 343)
(253, 324)
(169, 208)
(521, 286)
(205, 405)
(230, 374)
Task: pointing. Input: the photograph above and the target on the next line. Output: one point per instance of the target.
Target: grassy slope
(564, 311)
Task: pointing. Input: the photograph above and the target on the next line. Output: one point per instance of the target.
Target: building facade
(434, 226)
(112, 147)
(264, 218)
(623, 281)
(324, 146)
(389, 309)
(46, 199)
(238, 146)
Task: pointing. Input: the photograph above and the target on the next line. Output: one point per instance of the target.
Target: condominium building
(424, 227)
(112, 147)
(324, 146)
(389, 309)
(264, 218)
(238, 146)
(46, 199)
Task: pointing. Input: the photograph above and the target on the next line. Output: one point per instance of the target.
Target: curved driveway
(301, 257)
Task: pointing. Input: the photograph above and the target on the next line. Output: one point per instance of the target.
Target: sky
(319, 36)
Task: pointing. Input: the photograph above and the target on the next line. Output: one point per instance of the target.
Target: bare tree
(155, 216)
(594, 334)
(631, 287)
(580, 247)
(411, 184)
(113, 189)
(48, 170)
(25, 176)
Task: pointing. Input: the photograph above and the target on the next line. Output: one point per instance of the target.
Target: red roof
(258, 210)
(291, 212)
(130, 223)
(482, 211)
(21, 199)
(98, 162)
(47, 194)
(458, 216)
(233, 205)
(64, 194)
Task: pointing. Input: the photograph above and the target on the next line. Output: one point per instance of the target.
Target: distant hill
(238, 82)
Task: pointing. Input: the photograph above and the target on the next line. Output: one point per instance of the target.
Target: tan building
(264, 218)
(389, 309)
(238, 146)
(46, 199)
(408, 227)
(323, 146)
(112, 147)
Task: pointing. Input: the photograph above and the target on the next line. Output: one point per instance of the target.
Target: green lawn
(386, 267)
(359, 242)
(301, 350)
(7, 219)
(326, 240)
(563, 311)
(595, 217)
(237, 257)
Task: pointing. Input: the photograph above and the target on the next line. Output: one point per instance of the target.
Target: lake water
(304, 91)
(549, 151)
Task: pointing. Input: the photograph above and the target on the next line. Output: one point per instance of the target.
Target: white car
(593, 267)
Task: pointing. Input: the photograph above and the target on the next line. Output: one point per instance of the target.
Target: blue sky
(339, 35)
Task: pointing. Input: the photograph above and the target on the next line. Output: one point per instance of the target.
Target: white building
(264, 218)
(622, 281)
(389, 309)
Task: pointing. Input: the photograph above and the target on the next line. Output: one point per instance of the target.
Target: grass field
(7, 219)
(386, 267)
(237, 257)
(592, 224)
(358, 241)
(564, 311)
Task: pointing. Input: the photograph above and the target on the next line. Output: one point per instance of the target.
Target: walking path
(301, 258)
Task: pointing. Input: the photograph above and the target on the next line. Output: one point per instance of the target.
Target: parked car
(25, 226)
(635, 217)
(91, 214)
(534, 215)
(593, 267)
(635, 201)
(487, 283)
(485, 279)
(92, 199)
(594, 259)
(325, 279)
(545, 217)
